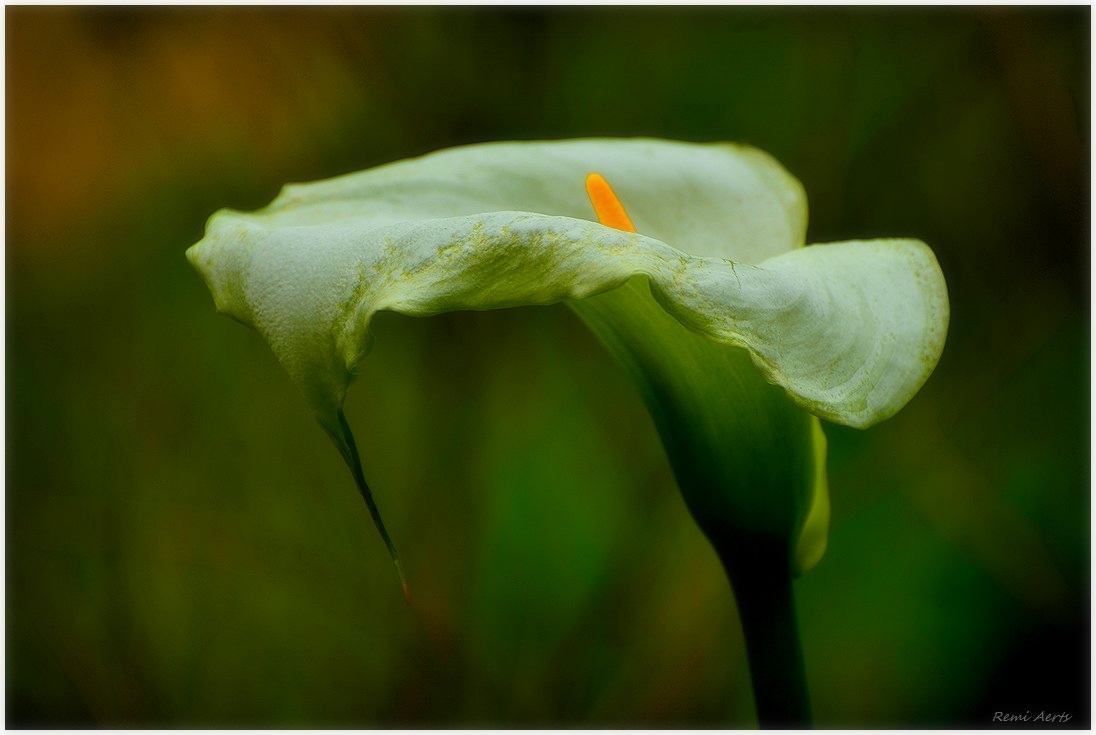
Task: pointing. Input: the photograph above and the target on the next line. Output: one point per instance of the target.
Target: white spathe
(850, 330)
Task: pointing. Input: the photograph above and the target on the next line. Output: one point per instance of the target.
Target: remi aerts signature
(1043, 716)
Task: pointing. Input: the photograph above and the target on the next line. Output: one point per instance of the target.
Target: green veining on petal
(849, 330)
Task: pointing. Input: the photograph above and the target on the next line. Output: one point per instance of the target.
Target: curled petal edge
(851, 330)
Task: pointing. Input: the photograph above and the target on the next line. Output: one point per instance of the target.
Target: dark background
(185, 547)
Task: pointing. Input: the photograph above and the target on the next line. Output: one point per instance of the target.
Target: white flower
(849, 331)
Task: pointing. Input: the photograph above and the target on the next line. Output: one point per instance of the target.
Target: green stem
(760, 575)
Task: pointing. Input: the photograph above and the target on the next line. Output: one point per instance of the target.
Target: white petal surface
(721, 199)
(851, 330)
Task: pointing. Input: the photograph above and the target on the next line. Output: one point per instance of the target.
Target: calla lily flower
(688, 262)
(715, 272)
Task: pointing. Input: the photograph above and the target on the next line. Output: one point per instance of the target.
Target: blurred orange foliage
(104, 103)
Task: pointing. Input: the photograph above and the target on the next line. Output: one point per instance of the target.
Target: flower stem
(760, 575)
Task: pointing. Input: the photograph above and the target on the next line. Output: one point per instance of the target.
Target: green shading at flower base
(744, 455)
(750, 466)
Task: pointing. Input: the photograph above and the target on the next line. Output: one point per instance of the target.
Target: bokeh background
(186, 548)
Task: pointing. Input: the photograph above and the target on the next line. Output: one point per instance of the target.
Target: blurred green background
(186, 548)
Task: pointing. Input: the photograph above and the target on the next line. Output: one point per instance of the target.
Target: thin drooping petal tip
(338, 428)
